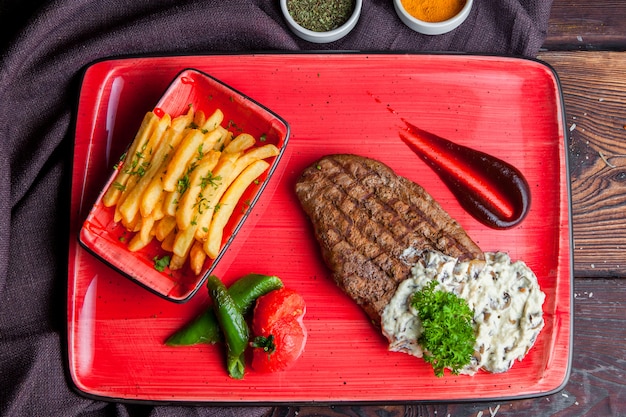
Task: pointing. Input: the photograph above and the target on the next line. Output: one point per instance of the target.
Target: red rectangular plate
(334, 103)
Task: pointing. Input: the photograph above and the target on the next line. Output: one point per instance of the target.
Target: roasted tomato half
(279, 334)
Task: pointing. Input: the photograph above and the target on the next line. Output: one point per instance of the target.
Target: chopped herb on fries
(174, 177)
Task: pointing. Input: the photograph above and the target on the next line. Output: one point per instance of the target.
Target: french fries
(227, 205)
(114, 192)
(180, 182)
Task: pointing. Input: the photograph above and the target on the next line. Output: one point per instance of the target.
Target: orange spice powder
(433, 10)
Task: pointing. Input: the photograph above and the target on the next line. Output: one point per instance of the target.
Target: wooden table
(586, 45)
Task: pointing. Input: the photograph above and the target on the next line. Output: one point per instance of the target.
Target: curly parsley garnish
(448, 337)
(161, 263)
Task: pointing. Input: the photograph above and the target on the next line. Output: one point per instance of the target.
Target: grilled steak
(369, 222)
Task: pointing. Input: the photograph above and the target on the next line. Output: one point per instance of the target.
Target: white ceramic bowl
(432, 28)
(322, 37)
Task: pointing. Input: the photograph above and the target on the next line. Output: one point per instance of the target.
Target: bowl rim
(447, 25)
(335, 34)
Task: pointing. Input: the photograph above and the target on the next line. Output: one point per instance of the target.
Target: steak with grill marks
(369, 221)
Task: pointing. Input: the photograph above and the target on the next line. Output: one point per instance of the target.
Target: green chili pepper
(205, 328)
(202, 329)
(233, 325)
(247, 289)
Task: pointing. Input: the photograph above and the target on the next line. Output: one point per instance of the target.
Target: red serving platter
(334, 103)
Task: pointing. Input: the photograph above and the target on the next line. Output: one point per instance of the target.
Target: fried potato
(184, 240)
(133, 225)
(156, 151)
(177, 262)
(149, 122)
(263, 152)
(142, 158)
(197, 257)
(146, 231)
(168, 243)
(153, 194)
(223, 176)
(192, 201)
(170, 202)
(224, 140)
(213, 121)
(211, 138)
(199, 118)
(164, 227)
(227, 205)
(186, 151)
(139, 241)
(240, 143)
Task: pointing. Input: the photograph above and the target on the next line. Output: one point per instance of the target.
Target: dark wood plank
(587, 25)
(596, 386)
(594, 90)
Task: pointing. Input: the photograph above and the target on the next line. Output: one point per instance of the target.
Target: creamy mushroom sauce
(504, 296)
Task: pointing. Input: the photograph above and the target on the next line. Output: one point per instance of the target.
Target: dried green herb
(320, 15)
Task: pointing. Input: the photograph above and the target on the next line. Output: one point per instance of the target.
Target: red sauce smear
(493, 191)
(158, 112)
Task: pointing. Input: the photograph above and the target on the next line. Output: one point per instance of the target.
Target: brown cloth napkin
(45, 47)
